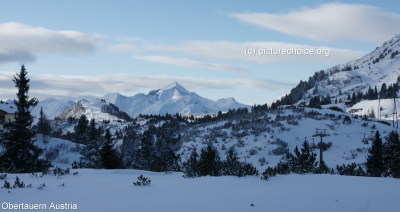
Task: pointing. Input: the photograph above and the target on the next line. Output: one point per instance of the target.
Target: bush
(3, 176)
(335, 108)
(18, 183)
(280, 150)
(142, 181)
(351, 169)
(7, 184)
(269, 172)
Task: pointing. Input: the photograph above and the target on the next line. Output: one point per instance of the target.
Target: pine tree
(391, 155)
(20, 152)
(145, 153)
(302, 162)
(209, 162)
(375, 166)
(109, 157)
(191, 167)
(43, 126)
(232, 164)
(81, 130)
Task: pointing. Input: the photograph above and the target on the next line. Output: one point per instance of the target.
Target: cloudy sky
(81, 49)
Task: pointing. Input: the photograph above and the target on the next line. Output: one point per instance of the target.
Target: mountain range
(171, 99)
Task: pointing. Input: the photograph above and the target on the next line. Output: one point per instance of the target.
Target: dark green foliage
(191, 167)
(299, 163)
(3, 176)
(144, 154)
(18, 183)
(20, 152)
(109, 157)
(351, 169)
(302, 162)
(209, 162)
(375, 165)
(346, 120)
(269, 172)
(43, 125)
(322, 169)
(81, 129)
(58, 172)
(282, 168)
(335, 108)
(142, 181)
(391, 155)
(6, 184)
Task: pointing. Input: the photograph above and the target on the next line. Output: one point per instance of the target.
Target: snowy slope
(89, 108)
(112, 190)
(254, 138)
(382, 65)
(51, 107)
(385, 106)
(171, 99)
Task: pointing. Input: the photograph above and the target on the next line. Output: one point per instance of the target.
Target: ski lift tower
(321, 133)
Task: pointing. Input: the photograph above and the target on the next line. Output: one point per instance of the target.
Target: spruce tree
(375, 166)
(108, 155)
(391, 155)
(81, 130)
(20, 152)
(43, 125)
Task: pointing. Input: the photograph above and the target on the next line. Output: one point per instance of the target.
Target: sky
(254, 51)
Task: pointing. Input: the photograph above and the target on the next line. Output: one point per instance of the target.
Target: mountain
(94, 108)
(376, 75)
(51, 107)
(171, 99)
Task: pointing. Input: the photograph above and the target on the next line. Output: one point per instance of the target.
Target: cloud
(60, 86)
(331, 21)
(23, 43)
(227, 50)
(190, 63)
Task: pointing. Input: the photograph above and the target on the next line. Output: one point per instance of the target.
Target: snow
(112, 190)
(369, 105)
(172, 99)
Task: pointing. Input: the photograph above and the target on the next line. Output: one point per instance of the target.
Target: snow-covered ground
(112, 190)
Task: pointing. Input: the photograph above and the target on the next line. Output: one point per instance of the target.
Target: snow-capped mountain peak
(171, 99)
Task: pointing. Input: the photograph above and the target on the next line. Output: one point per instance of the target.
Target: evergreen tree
(88, 134)
(145, 153)
(43, 125)
(81, 130)
(130, 144)
(20, 154)
(232, 163)
(302, 162)
(209, 162)
(191, 167)
(391, 155)
(383, 93)
(109, 157)
(375, 166)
